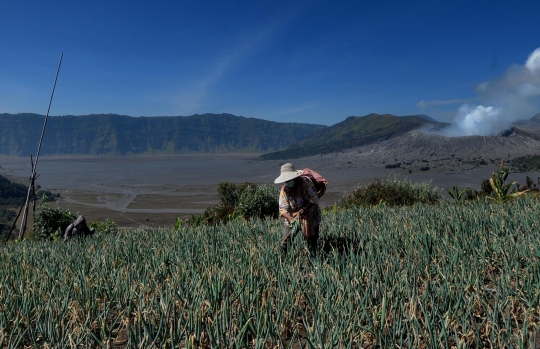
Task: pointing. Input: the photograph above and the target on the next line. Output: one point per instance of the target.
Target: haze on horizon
(305, 61)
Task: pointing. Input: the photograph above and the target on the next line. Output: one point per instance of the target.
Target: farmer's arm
(284, 206)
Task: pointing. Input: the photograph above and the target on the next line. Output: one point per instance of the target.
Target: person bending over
(298, 200)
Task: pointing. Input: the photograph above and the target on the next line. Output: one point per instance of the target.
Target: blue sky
(289, 61)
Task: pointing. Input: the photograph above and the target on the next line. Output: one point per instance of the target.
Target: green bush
(259, 201)
(228, 193)
(392, 192)
(51, 223)
(46, 195)
(393, 165)
(106, 227)
(231, 196)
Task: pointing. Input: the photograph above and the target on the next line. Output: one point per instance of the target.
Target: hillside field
(450, 275)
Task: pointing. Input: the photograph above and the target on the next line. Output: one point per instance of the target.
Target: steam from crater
(514, 95)
(533, 63)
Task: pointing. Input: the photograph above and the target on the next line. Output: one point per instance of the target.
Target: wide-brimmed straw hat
(287, 173)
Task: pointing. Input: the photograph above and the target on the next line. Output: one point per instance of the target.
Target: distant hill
(534, 121)
(429, 118)
(11, 193)
(353, 132)
(113, 134)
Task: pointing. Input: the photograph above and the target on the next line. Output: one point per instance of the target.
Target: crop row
(424, 276)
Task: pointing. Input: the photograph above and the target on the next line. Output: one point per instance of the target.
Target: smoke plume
(514, 95)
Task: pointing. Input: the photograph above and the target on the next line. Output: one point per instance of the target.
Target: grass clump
(392, 191)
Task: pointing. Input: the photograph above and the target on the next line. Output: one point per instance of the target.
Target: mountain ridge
(354, 131)
(113, 134)
(418, 151)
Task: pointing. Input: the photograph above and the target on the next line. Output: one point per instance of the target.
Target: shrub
(530, 185)
(246, 200)
(393, 165)
(392, 192)
(50, 223)
(106, 227)
(228, 193)
(46, 195)
(258, 201)
(485, 188)
(471, 195)
(213, 215)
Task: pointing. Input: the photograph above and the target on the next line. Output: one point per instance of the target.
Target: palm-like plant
(456, 194)
(501, 191)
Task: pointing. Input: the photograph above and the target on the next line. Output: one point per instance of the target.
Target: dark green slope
(353, 132)
(11, 193)
(120, 134)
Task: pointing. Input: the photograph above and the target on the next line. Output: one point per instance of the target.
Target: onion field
(451, 275)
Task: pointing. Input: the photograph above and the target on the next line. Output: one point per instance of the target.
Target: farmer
(78, 228)
(298, 200)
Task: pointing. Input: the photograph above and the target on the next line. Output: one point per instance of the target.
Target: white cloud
(509, 97)
(533, 63)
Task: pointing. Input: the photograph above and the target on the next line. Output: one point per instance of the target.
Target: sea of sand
(152, 190)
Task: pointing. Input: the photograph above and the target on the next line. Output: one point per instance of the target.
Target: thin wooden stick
(14, 222)
(32, 178)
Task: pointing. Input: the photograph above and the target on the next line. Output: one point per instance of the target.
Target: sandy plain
(152, 190)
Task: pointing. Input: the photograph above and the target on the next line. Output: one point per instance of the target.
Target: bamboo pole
(34, 165)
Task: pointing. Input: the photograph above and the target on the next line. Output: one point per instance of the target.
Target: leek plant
(413, 277)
